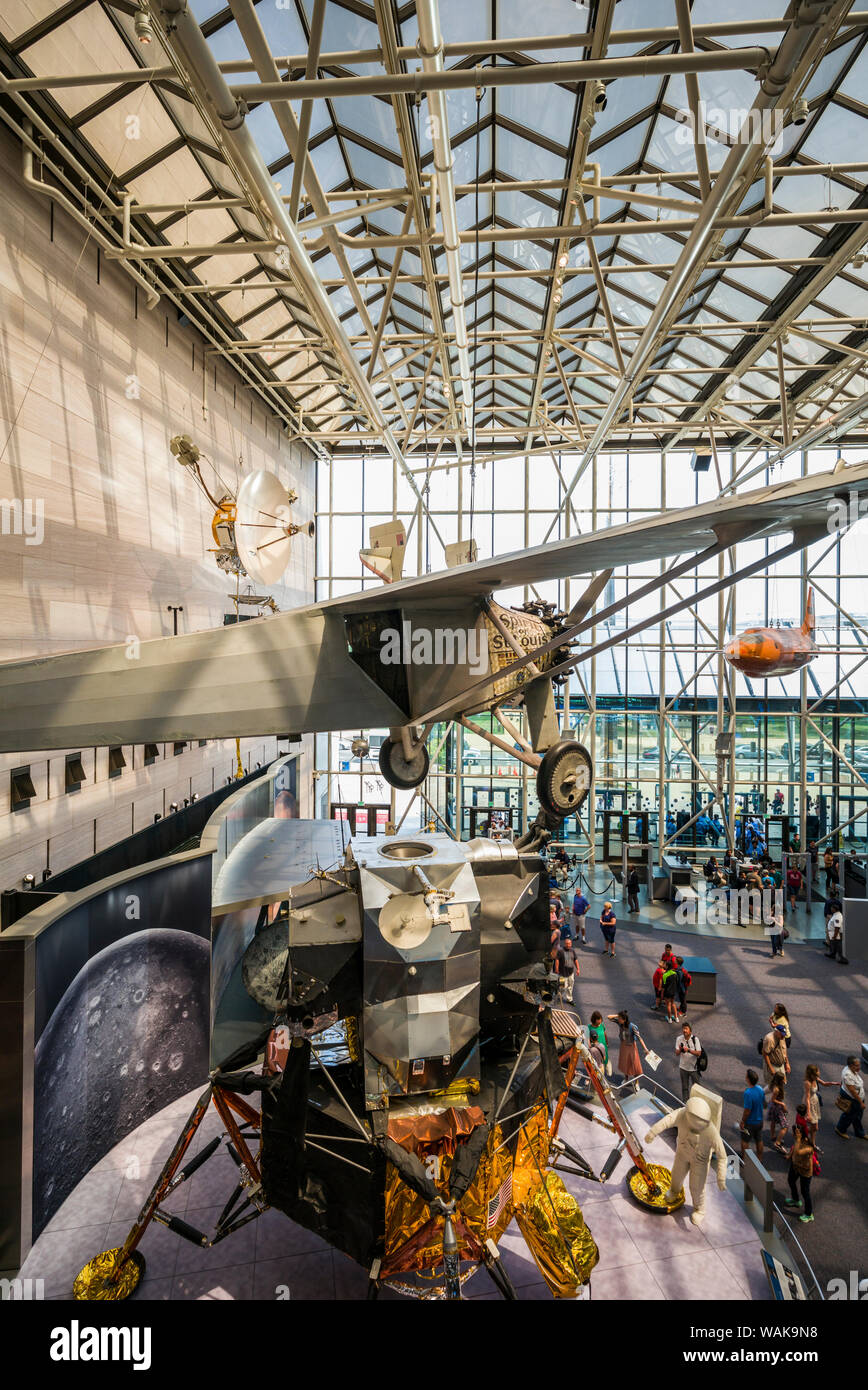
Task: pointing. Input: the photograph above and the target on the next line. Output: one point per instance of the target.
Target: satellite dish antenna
(263, 526)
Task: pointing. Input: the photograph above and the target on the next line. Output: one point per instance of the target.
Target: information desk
(679, 875)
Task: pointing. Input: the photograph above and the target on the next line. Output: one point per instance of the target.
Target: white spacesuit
(698, 1139)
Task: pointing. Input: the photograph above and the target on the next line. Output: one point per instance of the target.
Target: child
(669, 987)
(657, 982)
(777, 1114)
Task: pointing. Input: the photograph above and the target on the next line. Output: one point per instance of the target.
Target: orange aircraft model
(763, 652)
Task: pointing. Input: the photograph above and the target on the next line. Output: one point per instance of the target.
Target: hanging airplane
(411, 653)
(764, 652)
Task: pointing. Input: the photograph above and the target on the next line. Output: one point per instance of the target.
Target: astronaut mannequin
(698, 1138)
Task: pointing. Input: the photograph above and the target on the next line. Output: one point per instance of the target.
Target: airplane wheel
(563, 778)
(395, 768)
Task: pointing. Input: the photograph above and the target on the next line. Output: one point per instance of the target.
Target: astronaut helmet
(698, 1114)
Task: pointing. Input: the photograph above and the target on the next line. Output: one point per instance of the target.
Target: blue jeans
(853, 1117)
(777, 941)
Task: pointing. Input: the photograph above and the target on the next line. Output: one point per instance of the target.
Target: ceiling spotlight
(800, 111)
(563, 258)
(598, 95)
(142, 26)
(29, 880)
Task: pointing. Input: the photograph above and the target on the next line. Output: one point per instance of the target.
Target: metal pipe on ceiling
(185, 39)
(431, 53)
(639, 227)
(631, 268)
(527, 43)
(531, 74)
(56, 195)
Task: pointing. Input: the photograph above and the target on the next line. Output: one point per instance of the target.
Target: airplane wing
(293, 672)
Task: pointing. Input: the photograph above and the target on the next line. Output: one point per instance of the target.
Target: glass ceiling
(764, 336)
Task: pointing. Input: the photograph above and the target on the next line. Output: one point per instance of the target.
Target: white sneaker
(697, 1217)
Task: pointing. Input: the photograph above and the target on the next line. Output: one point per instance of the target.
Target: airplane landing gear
(399, 770)
(563, 779)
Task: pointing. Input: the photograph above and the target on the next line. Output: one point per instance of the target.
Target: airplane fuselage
(764, 652)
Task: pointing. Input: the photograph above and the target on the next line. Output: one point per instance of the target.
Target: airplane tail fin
(808, 623)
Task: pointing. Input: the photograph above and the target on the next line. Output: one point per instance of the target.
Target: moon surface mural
(129, 1036)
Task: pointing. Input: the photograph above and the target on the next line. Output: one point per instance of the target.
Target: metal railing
(784, 1231)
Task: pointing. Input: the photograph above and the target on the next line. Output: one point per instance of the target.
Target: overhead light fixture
(28, 880)
(598, 95)
(563, 258)
(700, 463)
(800, 111)
(142, 25)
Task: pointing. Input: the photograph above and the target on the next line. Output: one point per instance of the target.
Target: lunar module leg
(115, 1274)
(650, 1184)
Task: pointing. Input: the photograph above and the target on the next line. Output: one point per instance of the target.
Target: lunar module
(402, 1070)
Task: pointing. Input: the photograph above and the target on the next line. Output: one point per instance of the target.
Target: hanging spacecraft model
(764, 652)
(252, 531)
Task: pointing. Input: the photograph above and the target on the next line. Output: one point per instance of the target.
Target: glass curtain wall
(647, 707)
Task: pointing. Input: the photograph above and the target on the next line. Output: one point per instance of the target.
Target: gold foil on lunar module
(548, 1217)
(639, 1189)
(94, 1282)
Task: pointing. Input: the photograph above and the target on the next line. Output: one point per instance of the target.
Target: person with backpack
(683, 981)
(774, 1054)
(580, 908)
(803, 1167)
(669, 986)
(688, 1050)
